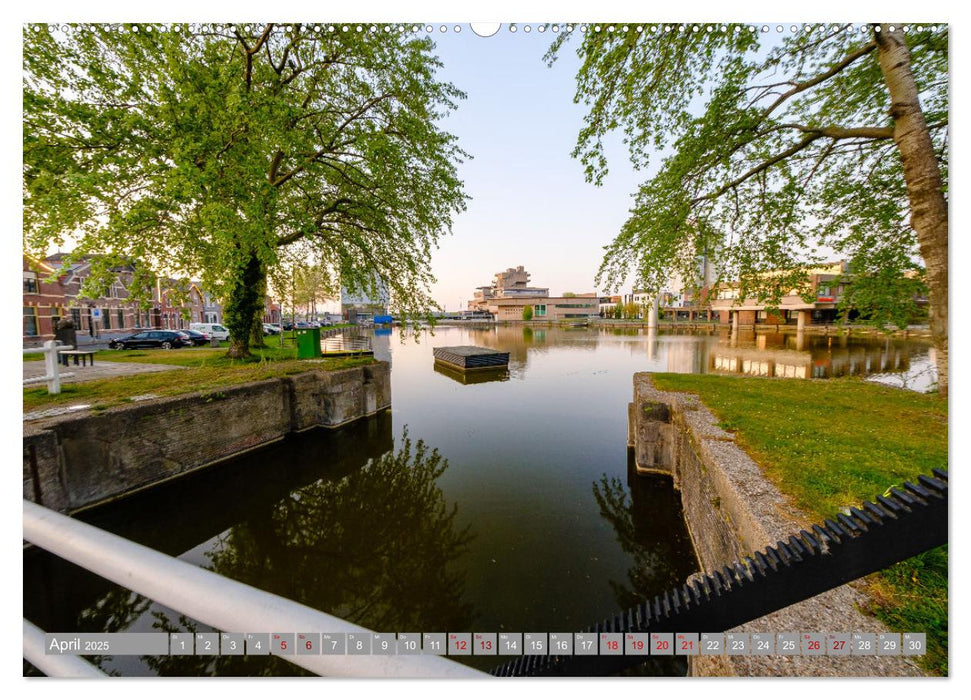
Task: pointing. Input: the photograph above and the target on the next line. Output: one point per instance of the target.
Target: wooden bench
(76, 354)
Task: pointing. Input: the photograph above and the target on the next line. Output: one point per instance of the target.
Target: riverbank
(84, 458)
(199, 369)
(831, 445)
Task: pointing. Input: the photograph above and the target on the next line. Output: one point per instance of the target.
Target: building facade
(826, 283)
(572, 308)
(52, 291)
(512, 283)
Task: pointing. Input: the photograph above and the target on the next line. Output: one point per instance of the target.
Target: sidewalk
(99, 370)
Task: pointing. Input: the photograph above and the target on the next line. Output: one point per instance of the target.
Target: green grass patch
(829, 444)
(206, 369)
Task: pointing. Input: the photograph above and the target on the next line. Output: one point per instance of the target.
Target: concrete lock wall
(731, 511)
(71, 462)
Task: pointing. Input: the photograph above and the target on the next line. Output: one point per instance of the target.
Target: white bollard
(52, 367)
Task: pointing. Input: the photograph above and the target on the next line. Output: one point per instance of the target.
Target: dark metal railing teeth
(893, 508)
(763, 565)
(869, 539)
(787, 555)
(877, 511)
(835, 531)
(932, 483)
(665, 604)
(904, 497)
(742, 574)
(861, 518)
(824, 537)
(916, 489)
(848, 524)
(814, 546)
(798, 548)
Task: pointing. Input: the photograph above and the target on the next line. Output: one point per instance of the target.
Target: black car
(195, 337)
(151, 339)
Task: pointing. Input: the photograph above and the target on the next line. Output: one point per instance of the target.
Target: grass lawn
(832, 443)
(207, 368)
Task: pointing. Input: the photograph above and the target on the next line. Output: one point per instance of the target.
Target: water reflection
(798, 355)
(376, 547)
(650, 527)
(477, 376)
(371, 539)
(803, 356)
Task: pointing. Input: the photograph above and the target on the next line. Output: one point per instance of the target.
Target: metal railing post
(55, 665)
(222, 603)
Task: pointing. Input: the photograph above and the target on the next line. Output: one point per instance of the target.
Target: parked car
(271, 329)
(151, 339)
(195, 337)
(216, 330)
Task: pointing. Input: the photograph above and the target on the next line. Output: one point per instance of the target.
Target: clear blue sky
(530, 204)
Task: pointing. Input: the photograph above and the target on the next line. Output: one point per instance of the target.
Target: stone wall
(732, 511)
(71, 462)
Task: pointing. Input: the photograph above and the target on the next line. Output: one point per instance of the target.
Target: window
(106, 319)
(540, 309)
(56, 315)
(76, 317)
(121, 318)
(30, 282)
(30, 320)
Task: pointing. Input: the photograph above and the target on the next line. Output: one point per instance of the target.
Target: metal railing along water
(224, 604)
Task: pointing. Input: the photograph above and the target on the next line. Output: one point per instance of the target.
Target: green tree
(527, 313)
(208, 149)
(830, 137)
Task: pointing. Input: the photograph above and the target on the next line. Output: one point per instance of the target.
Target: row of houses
(52, 291)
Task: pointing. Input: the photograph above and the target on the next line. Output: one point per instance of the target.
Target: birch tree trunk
(925, 190)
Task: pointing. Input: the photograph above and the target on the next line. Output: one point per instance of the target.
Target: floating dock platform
(470, 357)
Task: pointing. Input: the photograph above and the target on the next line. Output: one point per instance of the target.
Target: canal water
(500, 503)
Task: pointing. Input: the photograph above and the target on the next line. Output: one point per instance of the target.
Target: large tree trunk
(256, 336)
(243, 301)
(925, 188)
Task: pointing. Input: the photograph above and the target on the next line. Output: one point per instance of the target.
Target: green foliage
(835, 443)
(886, 296)
(773, 151)
(527, 313)
(199, 148)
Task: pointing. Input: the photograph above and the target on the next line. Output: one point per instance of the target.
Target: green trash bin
(308, 343)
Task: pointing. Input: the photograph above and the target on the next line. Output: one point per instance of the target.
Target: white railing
(53, 375)
(55, 665)
(225, 604)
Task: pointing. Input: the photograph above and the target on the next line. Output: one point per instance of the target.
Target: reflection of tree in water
(650, 527)
(373, 548)
(376, 547)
